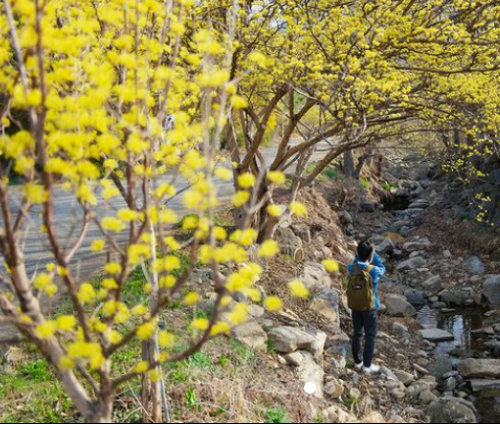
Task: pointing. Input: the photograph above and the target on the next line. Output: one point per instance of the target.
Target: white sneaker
(374, 369)
(358, 367)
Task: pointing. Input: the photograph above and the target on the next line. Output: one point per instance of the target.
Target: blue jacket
(376, 273)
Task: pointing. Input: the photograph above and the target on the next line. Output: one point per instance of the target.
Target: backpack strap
(357, 269)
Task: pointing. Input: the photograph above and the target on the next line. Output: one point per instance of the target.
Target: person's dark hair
(365, 251)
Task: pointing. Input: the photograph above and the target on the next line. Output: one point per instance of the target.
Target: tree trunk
(151, 393)
(349, 164)
(102, 412)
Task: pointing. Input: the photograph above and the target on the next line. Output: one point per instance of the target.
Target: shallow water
(462, 323)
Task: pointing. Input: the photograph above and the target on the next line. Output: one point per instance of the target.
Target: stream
(464, 323)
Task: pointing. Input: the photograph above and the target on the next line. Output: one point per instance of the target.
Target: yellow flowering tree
(123, 105)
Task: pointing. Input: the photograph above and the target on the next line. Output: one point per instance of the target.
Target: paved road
(87, 264)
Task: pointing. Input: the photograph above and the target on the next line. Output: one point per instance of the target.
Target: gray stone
(453, 297)
(439, 305)
(415, 297)
(491, 290)
(440, 367)
(427, 397)
(345, 218)
(480, 385)
(416, 246)
(303, 232)
(334, 389)
(398, 306)
(369, 206)
(405, 377)
(318, 346)
(474, 266)
(340, 345)
(251, 334)
(451, 384)
(315, 276)
(290, 339)
(400, 328)
(387, 246)
(295, 359)
(452, 410)
(480, 368)
(310, 372)
(435, 335)
(432, 282)
(412, 264)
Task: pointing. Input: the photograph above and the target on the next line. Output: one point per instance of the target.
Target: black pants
(366, 321)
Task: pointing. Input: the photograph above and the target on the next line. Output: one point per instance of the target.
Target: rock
(480, 385)
(345, 218)
(491, 290)
(290, 339)
(480, 368)
(435, 335)
(453, 297)
(474, 266)
(440, 367)
(303, 232)
(295, 359)
(340, 345)
(411, 264)
(420, 368)
(450, 375)
(318, 346)
(369, 206)
(398, 394)
(374, 418)
(439, 305)
(387, 246)
(405, 377)
(335, 414)
(327, 305)
(287, 238)
(315, 276)
(416, 246)
(432, 282)
(415, 297)
(251, 334)
(452, 410)
(256, 311)
(451, 384)
(398, 306)
(334, 389)
(400, 328)
(310, 372)
(427, 397)
(447, 254)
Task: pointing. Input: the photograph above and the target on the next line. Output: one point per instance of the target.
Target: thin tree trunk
(349, 164)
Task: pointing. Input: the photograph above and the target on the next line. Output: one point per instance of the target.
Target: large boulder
(491, 290)
(318, 346)
(315, 276)
(474, 266)
(398, 306)
(251, 334)
(310, 372)
(290, 339)
(480, 368)
(452, 410)
(411, 264)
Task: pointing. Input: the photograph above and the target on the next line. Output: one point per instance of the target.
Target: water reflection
(463, 323)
